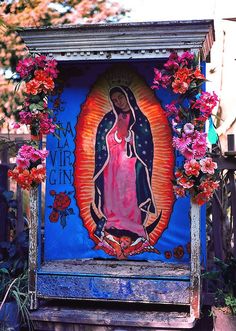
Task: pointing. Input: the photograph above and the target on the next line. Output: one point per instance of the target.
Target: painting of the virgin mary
(123, 172)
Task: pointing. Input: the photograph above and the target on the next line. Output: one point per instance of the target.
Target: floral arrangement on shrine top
(187, 114)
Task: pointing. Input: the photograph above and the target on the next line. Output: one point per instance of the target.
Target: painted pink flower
(188, 128)
(208, 166)
(192, 168)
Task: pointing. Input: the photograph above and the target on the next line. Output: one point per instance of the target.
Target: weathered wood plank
(118, 268)
(115, 289)
(103, 319)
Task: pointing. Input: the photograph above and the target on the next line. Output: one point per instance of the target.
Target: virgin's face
(120, 101)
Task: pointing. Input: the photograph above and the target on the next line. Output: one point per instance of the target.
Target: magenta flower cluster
(26, 66)
(188, 114)
(28, 154)
(38, 73)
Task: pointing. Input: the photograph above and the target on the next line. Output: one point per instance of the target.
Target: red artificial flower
(33, 87)
(201, 198)
(38, 174)
(179, 191)
(185, 182)
(198, 75)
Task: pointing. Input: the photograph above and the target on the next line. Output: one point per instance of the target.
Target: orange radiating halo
(92, 111)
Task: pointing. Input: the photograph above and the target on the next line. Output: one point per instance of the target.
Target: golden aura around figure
(92, 111)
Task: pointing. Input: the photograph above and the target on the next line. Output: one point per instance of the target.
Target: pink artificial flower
(40, 61)
(186, 58)
(171, 109)
(208, 166)
(180, 86)
(25, 151)
(188, 128)
(192, 168)
(25, 66)
(206, 104)
(188, 153)
(199, 144)
(173, 62)
(181, 143)
(46, 125)
(15, 125)
(50, 68)
(43, 153)
(25, 117)
(165, 81)
(22, 163)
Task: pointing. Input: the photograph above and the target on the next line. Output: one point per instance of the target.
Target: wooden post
(195, 274)
(33, 243)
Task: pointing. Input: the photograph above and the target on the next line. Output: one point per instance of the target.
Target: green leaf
(4, 271)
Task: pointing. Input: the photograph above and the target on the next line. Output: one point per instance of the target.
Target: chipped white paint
(195, 272)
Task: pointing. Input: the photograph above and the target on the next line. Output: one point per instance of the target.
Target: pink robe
(120, 200)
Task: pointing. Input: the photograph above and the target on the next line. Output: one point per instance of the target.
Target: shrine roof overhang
(119, 41)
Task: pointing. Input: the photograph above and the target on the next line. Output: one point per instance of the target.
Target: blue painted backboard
(109, 191)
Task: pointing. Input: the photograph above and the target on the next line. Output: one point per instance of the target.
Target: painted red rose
(188, 247)
(168, 254)
(179, 252)
(61, 202)
(53, 217)
(52, 192)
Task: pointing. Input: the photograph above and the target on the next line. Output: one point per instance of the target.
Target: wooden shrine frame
(126, 41)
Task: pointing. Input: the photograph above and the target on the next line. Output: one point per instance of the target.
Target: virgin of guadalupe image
(123, 167)
(123, 176)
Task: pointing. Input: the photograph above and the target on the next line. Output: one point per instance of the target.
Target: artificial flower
(208, 166)
(185, 182)
(188, 128)
(192, 168)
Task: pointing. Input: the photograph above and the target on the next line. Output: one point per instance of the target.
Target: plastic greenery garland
(38, 74)
(188, 114)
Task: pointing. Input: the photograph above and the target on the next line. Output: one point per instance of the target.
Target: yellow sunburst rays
(92, 111)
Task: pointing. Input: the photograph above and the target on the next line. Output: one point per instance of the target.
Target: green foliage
(14, 274)
(224, 274)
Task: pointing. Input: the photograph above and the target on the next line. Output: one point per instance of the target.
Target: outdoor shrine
(107, 226)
